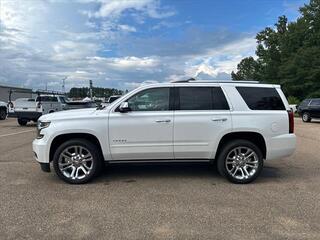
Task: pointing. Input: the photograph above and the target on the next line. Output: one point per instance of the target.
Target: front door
(146, 131)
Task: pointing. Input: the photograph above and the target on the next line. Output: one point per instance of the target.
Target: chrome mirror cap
(124, 107)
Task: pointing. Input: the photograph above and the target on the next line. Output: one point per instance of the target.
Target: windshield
(62, 99)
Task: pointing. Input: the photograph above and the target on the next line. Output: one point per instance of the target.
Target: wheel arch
(58, 140)
(253, 137)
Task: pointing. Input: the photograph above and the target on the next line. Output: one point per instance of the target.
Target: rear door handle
(163, 121)
(219, 119)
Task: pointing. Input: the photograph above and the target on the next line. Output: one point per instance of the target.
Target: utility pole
(63, 84)
(90, 90)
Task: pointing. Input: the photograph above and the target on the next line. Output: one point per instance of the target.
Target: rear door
(202, 115)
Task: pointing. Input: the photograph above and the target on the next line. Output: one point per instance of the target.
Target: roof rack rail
(213, 81)
(183, 80)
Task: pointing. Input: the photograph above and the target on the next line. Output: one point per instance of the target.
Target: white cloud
(133, 62)
(127, 28)
(68, 50)
(40, 45)
(114, 8)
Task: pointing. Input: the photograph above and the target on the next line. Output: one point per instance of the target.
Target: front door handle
(163, 121)
(219, 119)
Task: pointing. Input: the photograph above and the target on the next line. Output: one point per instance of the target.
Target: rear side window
(202, 98)
(219, 100)
(47, 99)
(258, 98)
(315, 102)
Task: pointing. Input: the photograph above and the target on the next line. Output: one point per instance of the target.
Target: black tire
(227, 149)
(22, 122)
(3, 113)
(97, 160)
(306, 117)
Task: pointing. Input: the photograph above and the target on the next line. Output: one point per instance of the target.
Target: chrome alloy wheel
(75, 162)
(242, 163)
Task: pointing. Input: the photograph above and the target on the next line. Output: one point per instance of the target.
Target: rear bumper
(281, 146)
(25, 115)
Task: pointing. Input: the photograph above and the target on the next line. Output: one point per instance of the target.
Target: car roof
(212, 83)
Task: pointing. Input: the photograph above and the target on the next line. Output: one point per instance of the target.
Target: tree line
(96, 91)
(288, 54)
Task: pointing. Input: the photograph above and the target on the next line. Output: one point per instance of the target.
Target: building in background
(22, 93)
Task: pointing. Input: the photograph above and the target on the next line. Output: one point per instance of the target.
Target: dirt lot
(181, 201)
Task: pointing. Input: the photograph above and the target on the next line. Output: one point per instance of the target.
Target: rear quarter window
(259, 98)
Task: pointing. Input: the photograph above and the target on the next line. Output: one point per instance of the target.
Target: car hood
(68, 114)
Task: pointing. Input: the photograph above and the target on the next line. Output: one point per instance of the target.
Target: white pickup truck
(29, 109)
(237, 125)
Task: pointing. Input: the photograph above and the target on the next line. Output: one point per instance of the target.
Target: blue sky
(123, 43)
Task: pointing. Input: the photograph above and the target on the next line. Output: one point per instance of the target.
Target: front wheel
(306, 117)
(240, 161)
(77, 161)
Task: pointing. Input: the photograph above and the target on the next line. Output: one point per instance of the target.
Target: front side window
(155, 99)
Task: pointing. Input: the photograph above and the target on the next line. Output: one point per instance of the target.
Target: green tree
(247, 70)
(288, 54)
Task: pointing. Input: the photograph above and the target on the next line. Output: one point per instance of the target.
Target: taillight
(39, 105)
(291, 121)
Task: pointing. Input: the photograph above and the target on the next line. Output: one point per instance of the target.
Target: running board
(161, 161)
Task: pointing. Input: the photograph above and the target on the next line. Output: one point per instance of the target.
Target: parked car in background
(29, 109)
(110, 100)
(3, 110)
(309, 108)
(79, 104)
(236, 125)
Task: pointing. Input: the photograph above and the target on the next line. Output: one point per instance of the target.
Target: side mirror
(124, 107)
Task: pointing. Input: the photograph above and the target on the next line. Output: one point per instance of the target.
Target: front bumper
(41, 154)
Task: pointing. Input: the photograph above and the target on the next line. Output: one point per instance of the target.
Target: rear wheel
(77, 161)
(22, 122)
(240, 161)
(306, 117)
(3, 113)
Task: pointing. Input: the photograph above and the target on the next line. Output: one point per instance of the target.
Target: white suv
(237, 125)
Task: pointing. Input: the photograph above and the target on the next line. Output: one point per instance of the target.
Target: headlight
(41, 125)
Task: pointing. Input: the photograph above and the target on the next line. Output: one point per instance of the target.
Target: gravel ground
(162, 201)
